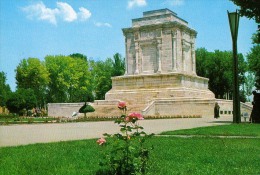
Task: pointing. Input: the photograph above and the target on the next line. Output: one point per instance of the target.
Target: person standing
(216, 110)
(255, 114)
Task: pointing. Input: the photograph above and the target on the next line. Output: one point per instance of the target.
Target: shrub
(126, 151)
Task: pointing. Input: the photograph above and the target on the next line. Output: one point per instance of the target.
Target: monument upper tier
(158, 17)
(160, 42)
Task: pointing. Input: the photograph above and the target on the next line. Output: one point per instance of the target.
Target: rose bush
(125, 153)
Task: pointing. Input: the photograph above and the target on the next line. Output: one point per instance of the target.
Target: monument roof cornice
(157, 16)
(151, 12)
(160, 26)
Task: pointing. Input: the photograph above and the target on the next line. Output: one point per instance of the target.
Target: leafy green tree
(202, 62)
(118, 65)
(32, 74)
(86, 108)
(253, 58)
(79, 56)
(217, 66)
(70, 79)
(101, 72)
(251, 10)
(249, 84)
(5, 89)
(21, 99)
(256, 38)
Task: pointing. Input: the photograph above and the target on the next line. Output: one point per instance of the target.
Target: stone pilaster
(193, 59)
(136, 57)
(126, 56)
(174, 51)
(183, 56)
(159, 50)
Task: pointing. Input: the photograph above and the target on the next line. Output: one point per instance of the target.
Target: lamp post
(234, 23)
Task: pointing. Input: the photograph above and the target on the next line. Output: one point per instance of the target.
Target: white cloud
(136, 3)
(100, 24)
(41, 12)
(66, 12)
(174, 2)
(84, 14)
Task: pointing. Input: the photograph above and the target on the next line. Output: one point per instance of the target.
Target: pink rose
(101, 141)
(135, 115)
(122, 105)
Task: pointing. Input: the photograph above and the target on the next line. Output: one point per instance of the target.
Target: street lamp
(234, 23)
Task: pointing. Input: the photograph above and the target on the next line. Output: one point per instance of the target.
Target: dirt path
(13, 135)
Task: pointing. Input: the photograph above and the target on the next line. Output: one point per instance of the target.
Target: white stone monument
(160, 61)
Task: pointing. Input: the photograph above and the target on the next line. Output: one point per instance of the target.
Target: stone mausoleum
(160, 77)
(160, 61)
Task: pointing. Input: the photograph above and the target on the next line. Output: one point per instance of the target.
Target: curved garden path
(13, 135)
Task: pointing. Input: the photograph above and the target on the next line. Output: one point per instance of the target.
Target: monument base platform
(142, 89)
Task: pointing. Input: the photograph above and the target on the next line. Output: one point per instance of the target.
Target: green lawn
(170, 156)
(246, 129)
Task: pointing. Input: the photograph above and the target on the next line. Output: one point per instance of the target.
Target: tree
(253, 58)
(118, 65)
(251, 10)
(5, 89)
(101, 72)
(217, 67)
(70, 79)
(86, 108)
(79, 55)
(32, 74)
(249, 84)
(21, 99)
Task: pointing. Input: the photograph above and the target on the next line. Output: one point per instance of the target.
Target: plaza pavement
(13, 135)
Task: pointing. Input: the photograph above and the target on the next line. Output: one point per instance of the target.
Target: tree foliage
(5, 89)
(21, 99)
(86, 108)
(249, 85)
(101, 77)
(32, 74)
(253, 58)
(70, 79)
(102, 71)
(251, 10)
(63, 79)
(217, 66)
(118, 65)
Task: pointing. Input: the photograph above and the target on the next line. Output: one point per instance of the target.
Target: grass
(244, 129)
(171, 155)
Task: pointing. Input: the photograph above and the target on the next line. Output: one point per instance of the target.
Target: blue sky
(32, 28)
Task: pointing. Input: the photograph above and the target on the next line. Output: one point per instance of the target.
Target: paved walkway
(13, 135)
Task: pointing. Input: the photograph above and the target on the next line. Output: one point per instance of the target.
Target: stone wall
(63, 109)
(192, 107)
(157, 107)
